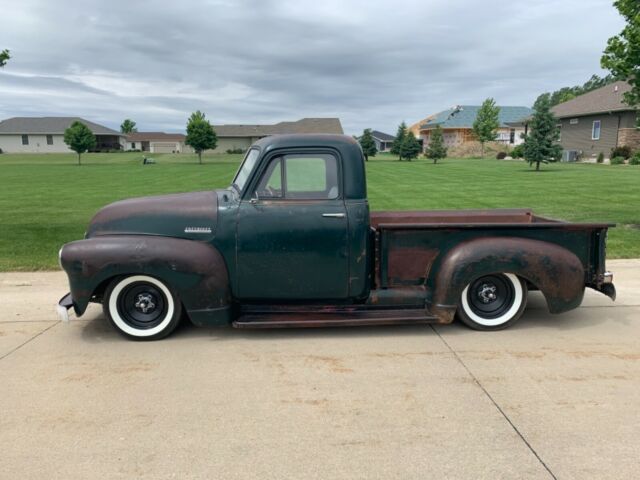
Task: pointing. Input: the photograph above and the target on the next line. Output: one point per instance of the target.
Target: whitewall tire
(142, 307)
(493, 302)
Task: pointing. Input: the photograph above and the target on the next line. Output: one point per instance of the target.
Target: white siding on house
(37, 144)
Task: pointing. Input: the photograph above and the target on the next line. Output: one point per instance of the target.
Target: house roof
(48, 125)
(155, 136)
(305, 125)
(463, 116)
(604, 99)
(384, 137)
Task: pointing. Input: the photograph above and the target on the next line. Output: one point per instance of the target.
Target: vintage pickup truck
(292, 243)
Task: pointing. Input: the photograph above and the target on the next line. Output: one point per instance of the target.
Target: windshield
(245, 169)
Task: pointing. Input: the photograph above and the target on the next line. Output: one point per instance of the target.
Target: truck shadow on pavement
(97, 328)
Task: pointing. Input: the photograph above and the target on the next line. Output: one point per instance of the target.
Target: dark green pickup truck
(291, 243)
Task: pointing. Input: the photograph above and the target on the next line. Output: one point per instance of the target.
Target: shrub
(235, 150)
(0, 151)
(517, 152)
(623, 151)
(635, 160)
(501, 155)
(617, 161)
(600, 158)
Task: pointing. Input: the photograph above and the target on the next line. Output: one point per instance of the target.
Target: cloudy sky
(371, 63)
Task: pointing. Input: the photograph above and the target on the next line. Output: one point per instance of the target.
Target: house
(46, 135)
(597, 122)
(383, 140)
(457, 125)
(242, 136)
(157, 142)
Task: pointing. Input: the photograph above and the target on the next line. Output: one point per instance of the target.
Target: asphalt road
(554, 396)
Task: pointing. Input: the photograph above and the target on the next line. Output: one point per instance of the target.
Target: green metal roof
(463, 116)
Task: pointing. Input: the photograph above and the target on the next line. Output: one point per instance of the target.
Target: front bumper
(63, 307)
(605, 285)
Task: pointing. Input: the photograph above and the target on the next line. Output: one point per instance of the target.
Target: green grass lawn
(46, 200)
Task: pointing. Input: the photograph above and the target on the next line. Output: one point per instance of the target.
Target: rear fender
(556, 271)
(195, 270)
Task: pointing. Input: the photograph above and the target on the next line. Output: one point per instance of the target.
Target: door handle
(333, 215)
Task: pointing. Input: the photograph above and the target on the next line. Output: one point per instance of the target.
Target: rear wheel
(493, 302)
(142, 307)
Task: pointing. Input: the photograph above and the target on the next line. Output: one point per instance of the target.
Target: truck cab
(292, 243)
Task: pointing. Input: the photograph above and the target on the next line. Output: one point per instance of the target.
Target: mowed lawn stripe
(46, 200)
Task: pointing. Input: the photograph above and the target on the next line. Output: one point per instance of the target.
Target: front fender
(556, 271)
(194, 269)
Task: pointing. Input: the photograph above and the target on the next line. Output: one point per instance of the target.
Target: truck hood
(184, 215)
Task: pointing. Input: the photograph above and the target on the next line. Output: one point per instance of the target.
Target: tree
(436, 149)
(200, 134)
(410, 147)
(79, 138)
(4, 57)
(396, 145)
(541, 144)
(128, 126)
(568, 93)
(486, 124)
(622, 55)
(368, 144)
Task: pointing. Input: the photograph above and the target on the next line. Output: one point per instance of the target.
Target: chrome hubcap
(487, 293)
(145, 303)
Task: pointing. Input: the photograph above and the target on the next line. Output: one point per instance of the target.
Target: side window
(270, 185)
(595, 130)
(25, 139)
(311, 177)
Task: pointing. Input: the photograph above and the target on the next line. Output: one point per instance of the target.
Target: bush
(517, 152)
(622, 151)
(501, 155)
(617, 161)
(600, 158)
(231, 151)
(635, 160)
(0, 151)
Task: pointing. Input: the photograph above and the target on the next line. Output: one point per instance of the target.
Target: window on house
(559, 132)
(25, 139)
(595, 130)
(512, 136)
(573, 121)
(49, 139)
(133, 145)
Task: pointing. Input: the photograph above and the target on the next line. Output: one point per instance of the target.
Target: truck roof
(306, 140)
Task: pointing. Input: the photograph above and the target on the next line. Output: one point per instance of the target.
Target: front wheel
(142, 307)
(493, 302)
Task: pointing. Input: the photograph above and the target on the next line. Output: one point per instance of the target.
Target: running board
(339, 318)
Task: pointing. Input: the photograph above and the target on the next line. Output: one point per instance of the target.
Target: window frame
(25, 139)
(281, 154)
(49, 139)
(593, 130)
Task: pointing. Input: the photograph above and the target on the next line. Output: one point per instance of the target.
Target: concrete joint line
(28, 340)
(495, 404)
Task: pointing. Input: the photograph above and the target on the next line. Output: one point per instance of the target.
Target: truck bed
(409, 244)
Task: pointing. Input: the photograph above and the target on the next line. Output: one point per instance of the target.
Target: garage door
(161, 147)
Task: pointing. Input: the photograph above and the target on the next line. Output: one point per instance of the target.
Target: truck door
(292, 237)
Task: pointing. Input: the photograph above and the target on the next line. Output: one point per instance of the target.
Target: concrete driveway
(552, 397)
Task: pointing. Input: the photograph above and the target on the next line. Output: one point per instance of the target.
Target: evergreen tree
(368, 144)
(200, 134)
(410, 147)
(4, 57)
(396, 145)
(541, 144)
(622, 55)
(436, 149)
(79, 138)
(486, 124)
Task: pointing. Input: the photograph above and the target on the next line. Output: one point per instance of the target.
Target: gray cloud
(371, 63)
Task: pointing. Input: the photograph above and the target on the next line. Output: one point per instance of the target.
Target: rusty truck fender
(554, 270)
(195, 270)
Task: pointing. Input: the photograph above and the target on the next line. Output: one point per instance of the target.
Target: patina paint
(233, 257)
